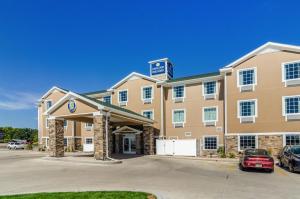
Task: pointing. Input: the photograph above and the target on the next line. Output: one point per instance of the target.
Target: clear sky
(90, 45)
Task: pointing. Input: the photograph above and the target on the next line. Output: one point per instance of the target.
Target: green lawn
(84, 195)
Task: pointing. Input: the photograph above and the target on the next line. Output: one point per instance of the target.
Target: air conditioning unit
(178, 125)
(293, 117)
(292, 82)
(147, 101)
(247, 119)
(178, 100)
(210, 123)
(209, 96)
(123, 103)
(246, 88)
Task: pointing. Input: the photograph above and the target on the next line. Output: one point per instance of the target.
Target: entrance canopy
(82, 108)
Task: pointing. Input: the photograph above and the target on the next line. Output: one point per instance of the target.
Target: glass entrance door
(129, 144)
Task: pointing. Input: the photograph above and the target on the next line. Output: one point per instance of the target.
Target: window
(247, 108)
(48, 104)
(211, 143)
(88, 140)
(178, 92)
(247, 142)
(65, 123)
(107, 99)
(88, 125)
(292, 105)
(147, 93)
(210, 114)
(123, 96)
(292, 71)
(65, 142)
(148, 114)
(209, 88)
(292, 139)
(178, 116)
(247, 77)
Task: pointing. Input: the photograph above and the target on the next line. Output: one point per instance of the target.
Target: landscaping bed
(84, 195)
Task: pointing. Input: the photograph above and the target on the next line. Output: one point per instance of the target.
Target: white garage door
(177, 147)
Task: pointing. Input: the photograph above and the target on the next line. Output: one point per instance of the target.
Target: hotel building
(254, 102)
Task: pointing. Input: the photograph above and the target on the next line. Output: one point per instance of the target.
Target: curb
(225, 160)
(74, 160)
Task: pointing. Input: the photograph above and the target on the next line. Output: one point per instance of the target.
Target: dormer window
(291, 73)
(123, 97)
(210, 90)
(48, 104)
(178, 93)
(247, 79)
(147, 94)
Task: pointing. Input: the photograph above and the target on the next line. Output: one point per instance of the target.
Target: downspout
(162, 111)
(225, 111)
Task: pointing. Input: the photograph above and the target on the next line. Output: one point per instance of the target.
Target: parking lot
(169, 178)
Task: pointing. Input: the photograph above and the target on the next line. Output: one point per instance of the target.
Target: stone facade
(99, 137)
(148, 137)
(272, 143)
(231, 144)
(56, 138)
(138, 144)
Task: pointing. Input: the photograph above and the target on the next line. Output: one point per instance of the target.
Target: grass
(84, 195)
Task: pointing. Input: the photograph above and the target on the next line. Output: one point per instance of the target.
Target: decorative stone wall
(110, 141)
(78, 144)
(56, 138)
(148, 136)
(231, 144)
(138, 144)
(272, 143)
(99, 137)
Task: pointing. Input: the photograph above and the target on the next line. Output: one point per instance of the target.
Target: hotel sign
(72, 106)
(158, 68)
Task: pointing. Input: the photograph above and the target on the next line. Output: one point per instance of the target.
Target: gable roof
(95, 92)
(51, 90)
(125, 129)
(99, 104)
(130, 76)
(267, 47)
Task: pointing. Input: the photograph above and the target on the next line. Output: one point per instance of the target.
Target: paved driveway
(167, 177)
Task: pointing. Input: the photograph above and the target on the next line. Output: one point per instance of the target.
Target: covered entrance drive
(116, 130)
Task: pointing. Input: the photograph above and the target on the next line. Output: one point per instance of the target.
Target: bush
(270, 151)
(29, 146)
(231, 155)
(221, 152)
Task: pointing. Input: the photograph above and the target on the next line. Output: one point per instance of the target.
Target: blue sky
(90, 45)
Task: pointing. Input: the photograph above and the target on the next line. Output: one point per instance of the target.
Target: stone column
(138, 144)
(100, 136)
(148, 140)
(56, 138)
(110, 141)
(117, 143)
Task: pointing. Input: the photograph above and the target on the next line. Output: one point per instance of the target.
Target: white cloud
(14, 100)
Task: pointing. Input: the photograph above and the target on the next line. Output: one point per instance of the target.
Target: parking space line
(280, 171)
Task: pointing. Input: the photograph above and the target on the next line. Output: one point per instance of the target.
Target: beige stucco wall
(135, 102)
(193, 103)
(268, 92)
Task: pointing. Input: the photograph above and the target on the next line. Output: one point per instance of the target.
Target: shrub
(29, 146)
(221, 152)
(270, 151)
(231, 155)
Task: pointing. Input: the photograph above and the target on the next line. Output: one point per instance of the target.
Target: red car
(256, 159)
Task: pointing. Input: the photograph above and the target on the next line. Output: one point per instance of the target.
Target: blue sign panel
(170, 70)
(72, 106)
(158, 68)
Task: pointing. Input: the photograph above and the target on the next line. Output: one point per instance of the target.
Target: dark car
(256, 159)
(289, 157)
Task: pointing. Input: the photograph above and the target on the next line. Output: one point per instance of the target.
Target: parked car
(289, 157)
(15, 145)
(256, 159)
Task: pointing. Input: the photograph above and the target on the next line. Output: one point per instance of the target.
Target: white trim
(184, 121)
(209, 136)
(225, 102)
(260, 49)
(283, 75)
(266, 133)
(217, 114)
(184, 92)
(192, 81)
(126, 129)
(46, 103)
(159, 60)
(131, 75)
(148, 110)
(216, 89)
(152, 93)
(162, 121)
(50, 91)
(123, 102)
(239, 142)
(247, 100)
(88, 128)
(238, 77)
(46, 122)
